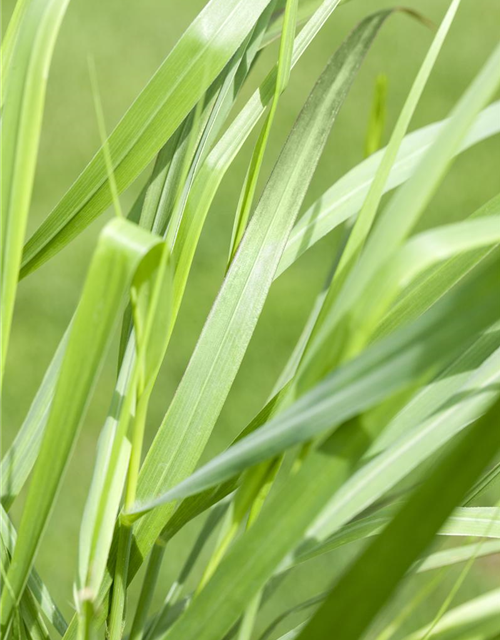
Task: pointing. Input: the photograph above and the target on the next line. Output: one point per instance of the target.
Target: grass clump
(381, 431)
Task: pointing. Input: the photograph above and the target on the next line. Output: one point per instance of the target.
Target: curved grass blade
(220, 158)
(370, 206)
(150, 528)
(180, 82)
(119, 253)
(419, 254)
(434, 283)
(20, 133)
(462, 390)
(467, 383)
(166, 182)
(480, 522)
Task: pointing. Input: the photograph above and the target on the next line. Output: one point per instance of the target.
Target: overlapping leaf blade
(119, 253)
(416, 523)
(182, 79)
(346, 393)
(345, 198)
(202, 392)
(284, 519)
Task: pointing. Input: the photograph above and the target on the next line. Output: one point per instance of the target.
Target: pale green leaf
(120, 251)
(20, 127)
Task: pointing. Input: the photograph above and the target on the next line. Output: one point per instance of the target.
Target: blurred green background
(128, 40)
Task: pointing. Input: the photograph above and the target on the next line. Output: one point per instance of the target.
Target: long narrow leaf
(119, 253)
(20, 133)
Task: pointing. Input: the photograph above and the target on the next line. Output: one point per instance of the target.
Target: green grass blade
(437, 281)
(302, 606)
(220, 158)
(437, 560)
(246, 567)
(156, 211)
(293, 633)
(101, 510)
(378, 116)
(249, 563)
(9, 40)
(381, 567)
(469, 375)
(368, 211)
(286, 188)
(455, 555)
(480, 522)
(19, 459)
(469, 378)
(417, 256)
(20, 132)
(166, 184)
(416, 193)
(282, 76)
(175, 590)
(121, 248)
(180, 82)
(146, 534)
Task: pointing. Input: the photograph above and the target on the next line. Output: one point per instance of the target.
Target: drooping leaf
(424, 431)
